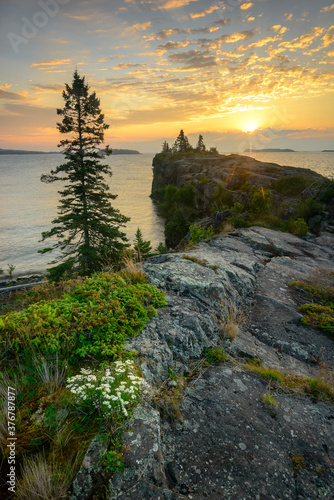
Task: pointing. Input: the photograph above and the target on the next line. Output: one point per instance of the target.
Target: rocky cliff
(220, 181)
(209, 431)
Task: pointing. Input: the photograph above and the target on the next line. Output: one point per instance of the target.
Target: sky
(238, 72)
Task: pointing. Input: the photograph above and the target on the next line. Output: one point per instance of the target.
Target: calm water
(27, 206)
(323, 163)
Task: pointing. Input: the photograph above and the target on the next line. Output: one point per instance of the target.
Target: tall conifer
(87, 228)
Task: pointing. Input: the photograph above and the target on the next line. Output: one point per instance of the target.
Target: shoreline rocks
(226, 444)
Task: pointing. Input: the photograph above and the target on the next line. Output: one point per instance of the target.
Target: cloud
(137, 27)
(11, 96)
(42, 88)
(246, 6)
(195, 59)
(304, 41)
(328, 8)
(328, 39)
(204, 13)
(171, 46)
(78, 18)
(165, 33)
(259, 43)
(129, 65)
(222, 22)
(288, 17)
(176, 4)
(53, 62)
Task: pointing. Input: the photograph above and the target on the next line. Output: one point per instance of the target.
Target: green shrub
(307, 208)
(236, 218)
(214, 355)
(319, 316)
(260, 201)
(320, 290)
(292, 185)
(199, 233)
(222, 197)
(178, 206)
(327, 194)
(93, 319)
(299, 227)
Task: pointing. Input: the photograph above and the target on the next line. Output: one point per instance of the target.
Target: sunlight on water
(28, 206)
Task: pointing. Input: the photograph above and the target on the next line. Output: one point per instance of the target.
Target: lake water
(27, 206)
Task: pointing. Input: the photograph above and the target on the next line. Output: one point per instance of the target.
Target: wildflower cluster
(111, 390)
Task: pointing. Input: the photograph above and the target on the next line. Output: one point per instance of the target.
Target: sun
(250, 126)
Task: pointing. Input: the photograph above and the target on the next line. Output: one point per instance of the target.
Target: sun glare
(250, 126)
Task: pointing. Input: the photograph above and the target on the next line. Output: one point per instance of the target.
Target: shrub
(327, 194)
(215, 355)
(306, 209)
(237, 220)
(161, 248)
(222, 197)
(93, 319)
(299, 227)
(199, 233)
(260, 201)
(292, 185)
(269, 400)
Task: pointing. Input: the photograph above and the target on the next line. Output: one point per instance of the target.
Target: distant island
(24, 152)
(125, 152)
(269, 150)
(327, 151)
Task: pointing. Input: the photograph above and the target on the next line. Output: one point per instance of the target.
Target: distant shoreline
(24, 152)
(270, 150)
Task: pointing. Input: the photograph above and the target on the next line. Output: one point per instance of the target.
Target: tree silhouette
(182, 143)
(87, 226)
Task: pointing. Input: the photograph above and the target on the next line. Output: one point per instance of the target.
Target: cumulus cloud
(137, 27)
(204, 13)
(176, 4)
(195, 59)
(304, 41)
(246, 6)
(328, 8)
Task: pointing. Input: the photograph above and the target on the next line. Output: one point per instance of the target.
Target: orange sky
(237, 72)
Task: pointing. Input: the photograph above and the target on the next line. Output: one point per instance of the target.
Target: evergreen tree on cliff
(165, 147)
(87, 228)
(182, 144)
(200, 144)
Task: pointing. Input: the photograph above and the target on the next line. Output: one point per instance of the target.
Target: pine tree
(87, 226)
(182, 144)
(165, 147)
(141, 246)
(200, 144)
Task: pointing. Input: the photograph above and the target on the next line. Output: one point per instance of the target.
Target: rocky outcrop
(233, 171)
(225, 443)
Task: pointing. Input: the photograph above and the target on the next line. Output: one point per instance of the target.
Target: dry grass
(317, 387)
(233, 319)
(133, 271)
(50, 374)
(43, 481)
(227, 228)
